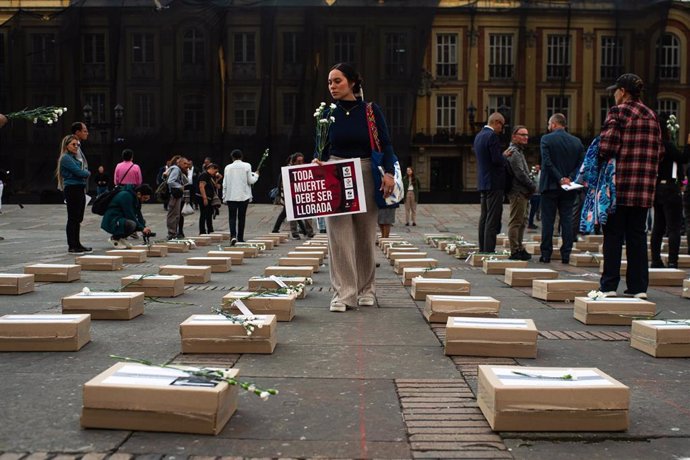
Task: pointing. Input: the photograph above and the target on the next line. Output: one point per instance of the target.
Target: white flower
(35, 120)
(316, 114)
(323, 104)
(86, 291)
(264, 395)
(64, 109)
(59, 112)
(332, 119)
(227, 373)
(49, 122)
(323, 121)
(251, 387)
(249, 332)
(332, 106)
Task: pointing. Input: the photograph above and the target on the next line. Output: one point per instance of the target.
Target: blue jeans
(101, 189)
(563, 202)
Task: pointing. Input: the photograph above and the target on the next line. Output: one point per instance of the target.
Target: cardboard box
(599, 239)
(268, 243)
(258, 283)
(562, 290)
(217, 264)
(535, 250)
(130, 256)
(584, 246)
(218, 334)
(280, 305)
(438, 308)
(401, 264)
(592, 401)
(310, 254)
(477, 259)
(44, 332)
(501, 239)
(612, 310)
(105, 305)
(463, 251)
(202, 240)
(55, 273)
(248, 251)
(683, 260)
(498, 267)
(415, 272)
(666, 277)
(686, 289)
(284, 236)
(177, 247)
(300, 262)
(16, 284)
(200, 274)
(289, 271)
(154, 250)
(524, 276)
(624, 267)
(131, 396)
(154, 285)
(661, 338)
(586, 259)
(236, 257)
(428, 237)
(224, 236)
(380, 241)
(100, 263)
(421, 287)
(389, 249)
(311, 248)
(215, 237)
(498, 337)
(393, 256)
(275, 238)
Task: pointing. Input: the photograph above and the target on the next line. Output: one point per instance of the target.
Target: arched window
(667, 107)
(668, 57)
(193, 47)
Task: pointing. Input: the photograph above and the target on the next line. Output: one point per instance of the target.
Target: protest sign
(331, 189)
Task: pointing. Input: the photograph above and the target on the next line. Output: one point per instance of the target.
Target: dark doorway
(446, 185)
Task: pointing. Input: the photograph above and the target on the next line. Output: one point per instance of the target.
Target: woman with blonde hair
(72, 176)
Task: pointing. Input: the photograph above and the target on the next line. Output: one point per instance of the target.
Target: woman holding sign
(352, 237)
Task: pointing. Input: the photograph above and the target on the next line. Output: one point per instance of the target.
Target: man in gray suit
(561, 156)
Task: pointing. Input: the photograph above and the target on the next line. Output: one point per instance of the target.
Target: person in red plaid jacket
(631, 134)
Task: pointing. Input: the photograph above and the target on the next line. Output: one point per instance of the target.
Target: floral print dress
(600, 180)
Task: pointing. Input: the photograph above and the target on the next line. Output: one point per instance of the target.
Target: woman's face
(73, 146)
(339, 86)
(409, 171)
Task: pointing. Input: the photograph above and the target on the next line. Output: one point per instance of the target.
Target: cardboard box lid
(520, 270)
(51, 268)
(92, 258)
(125, 252)
(437, 281)
(191, 269)
(210, 259)
(661, 331)
(673, 273)
(129, 386)
(546, 391)
(614, 305)
(232, 295)
(11, 279)
(426, 260)
(564, 285)
(152, 280)
(41, 326)
(218, 326)
(490, 329)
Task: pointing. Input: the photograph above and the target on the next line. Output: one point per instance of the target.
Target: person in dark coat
(123, 216)
(491, 180)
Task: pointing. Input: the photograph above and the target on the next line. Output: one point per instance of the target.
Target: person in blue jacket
(123, 216)
(72, 177)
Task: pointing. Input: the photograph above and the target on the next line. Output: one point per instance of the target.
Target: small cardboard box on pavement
(683, 260)
(310, 254)
(312, 262)
(201, 240)
(414, 272)
(477, 259)
(219, 236)
(236, 257)
(16, 283)
(129, 256)
(199, 274)
(562, 290)
(100, 263)
(177, 246)
(686, 289)
(42, 332)
(217, 264)
(421, 287)
(280, 305)
(155, 250)
(519, 398)
(402, 264)
(535, 250)
(214, 237)
(105, 305)
(393, 256)
(438, 308)
(497, 337)
(586, 246)
(623, 270)
(284, 236)
(598, 239)
(249, 251)
(258, 283)
(269, 244)
(277, 239)
(130, 396)
(498, 267)
(520, 277)
(54, 273)
(586, 259)
(154, 285)
(389, 249)
(313, 248)
(612, 310)
(218, 334)
(289, 271)
(661, 338)
(666, 277)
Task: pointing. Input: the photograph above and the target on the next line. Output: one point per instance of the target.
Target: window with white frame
(446, 55)
(605, 103)
(558, 104)
(289, 108)
(394, 108)
(503, 104)
(142, 48)
(144, 111)
(395, 59)
(557, 57)
(501, 56)
(245, 110)
(668, 57)
(245, 48)
(193, 115)
(666, 107)
(293, 54)
(96, 100)
(193, 49)
(93, 48)
(42, 48)
(344, 46)
(611, 65)
(446, 111)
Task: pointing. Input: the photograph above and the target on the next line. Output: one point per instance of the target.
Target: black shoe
(517, 255)
(295, 236)
(233, 241)
(324, 231)
(565, 261)
(414, 224)
(75, 251)
(310, 235)
(525, 255)
(532, 227)
(407, 224)
(544, 260)
(85, 249)
(672, 265)
(657, 264)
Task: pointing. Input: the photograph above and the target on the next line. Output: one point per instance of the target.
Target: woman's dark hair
(127, 154)
(211, 165)
(351, 74)
(144, 189)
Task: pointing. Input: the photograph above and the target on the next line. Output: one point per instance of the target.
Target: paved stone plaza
(369, 383)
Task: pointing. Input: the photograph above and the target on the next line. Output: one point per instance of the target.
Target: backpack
(102, 201)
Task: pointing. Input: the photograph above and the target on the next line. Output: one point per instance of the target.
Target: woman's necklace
(347, 111)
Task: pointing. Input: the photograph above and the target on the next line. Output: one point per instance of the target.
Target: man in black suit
(561, 156)
(491, 180)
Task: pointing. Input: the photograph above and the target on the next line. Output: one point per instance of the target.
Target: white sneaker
(366, 301)
(338, 306)
(126, 243)
(609, 294)
(116, 243)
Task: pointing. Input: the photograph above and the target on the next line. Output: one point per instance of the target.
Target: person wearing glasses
(522, 189)
(561, 157)
(491, 180)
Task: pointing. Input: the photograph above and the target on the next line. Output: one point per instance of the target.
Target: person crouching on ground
(123, 216)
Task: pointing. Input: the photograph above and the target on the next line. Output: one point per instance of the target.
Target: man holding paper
(561, 156)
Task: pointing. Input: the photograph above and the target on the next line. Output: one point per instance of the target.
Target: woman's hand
(387, 185)
(318, 162)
